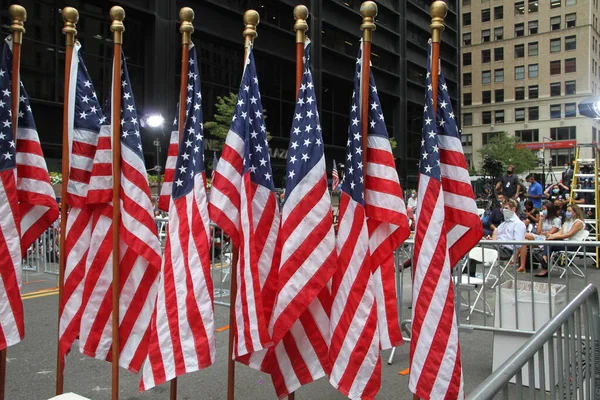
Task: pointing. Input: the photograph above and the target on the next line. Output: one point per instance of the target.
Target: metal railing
(565, 351)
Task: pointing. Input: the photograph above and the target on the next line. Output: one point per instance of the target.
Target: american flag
(167, 186)
(300, 320)
(140, 257)
(27, 203)
(84, 125)
(215, 161)
(373, 224)
(445, 194)
(182, 338)
(243, 204)
(335, 178)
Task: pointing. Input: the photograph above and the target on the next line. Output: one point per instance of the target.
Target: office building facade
(152, 47)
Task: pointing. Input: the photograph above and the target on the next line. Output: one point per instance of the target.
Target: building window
(485, 15)
(571, 42)
(533, 92)
(467, 119)
(570, 65)
(486, 56)
(487, 137)
(499, 116)
(466, 2)
(486, 35)
(467, 99)
(528, 135)
(519, 50)
(486, 77)
(499, 95)
(519, 114)
(486, 117)
(555, 111)
(467, 79)
(486, 96)
(520, 29)
(563, 133)
(570, 87)
(466, 19)
(499, 75)
(466, 59)
(467, 39)
(570, 2)
(570, 110)
(532, 49)
(498, 12)
(555, 23)
(554, 3)
(533, 6)
(534, 113)
(499, 54)
(520, 73)
(554, 67)
(467, 140)
(520, 93)
(554, 45)
(533, 71)
(499, 33)
(519, 8)
(555, 89)
(561, 157)
(571, 20)
(533, 27)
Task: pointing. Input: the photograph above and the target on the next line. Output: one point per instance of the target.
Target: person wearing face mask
(556, 191)
(532, 213)
(567, 175)
(573, 229)
(509, 184)
(412, 201)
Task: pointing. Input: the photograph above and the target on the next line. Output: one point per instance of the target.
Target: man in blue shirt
(535, 191)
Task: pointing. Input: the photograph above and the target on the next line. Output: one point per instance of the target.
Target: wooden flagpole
(300, 27)
(368, 11)
(18, 16)
(117, 15)
(70, 17)
(186, 16)
(251, 20)
(437, 11)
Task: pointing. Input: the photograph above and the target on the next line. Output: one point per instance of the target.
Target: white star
(254, 134)
(349, 156)
(134, 120)
(435, 149)
(268, 176)
(124, 84)
(358, 150)
(185, 156)
(124, 134)
(196, 149)
(191, 61)
(293, 159)
(424, 155)
(194, 118)
(252, 169)
(357, 136)
(137, 133)
(257, 114)
(309, 85)
(262, 162)
(451, 115)
(188, 100)
(196, 107)
(318, 142)
(244, 114)
(2, 104)
(258, 148)
(444, 87)
(82, 115)
(93, 109)
(291, 175)
(87, 84)
(234, 117)
(309, 114)
(301, 101)
(294, 145)
(102, 120)
(381, 117)
(308, 128)
(191, 75)
(372, 124)
(431, 134)
(374, 106)
(442, 122)
(240, 102)
(443, 104)
(428, 121)
(374, 89)
(309, 100)
(428, 74)
(2, 136)
(362, 179)
(130, 108)
(188, 143)
(6, 92)
(428, 169)
(179, 182)
(94, 95)
(191, 130)
(263, 128)
(182, 169)
(126, 95)
(355, 121)
(22, 99)
(307, 142)
(429, 87)
(298, 116)
(190, 87)
(303, 87)
(12, 143)
(305, 157)
(199, 95)
(246, 88)
(21, 114)
(350, 170)
(354, 107)
(85, 99)
(359, 166)
(255, 80)
(318, 128)
(8, 156)
(296, 130)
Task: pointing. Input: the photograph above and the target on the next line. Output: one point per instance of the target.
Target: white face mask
(508, 214)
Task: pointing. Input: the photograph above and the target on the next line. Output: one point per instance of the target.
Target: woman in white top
(548, 224)
(572, 230)
(412, 201)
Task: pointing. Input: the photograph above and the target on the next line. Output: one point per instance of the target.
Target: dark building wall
(152, 45)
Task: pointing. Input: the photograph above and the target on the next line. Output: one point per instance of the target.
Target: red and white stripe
(12, 323)
(388, 229)
(140, 260)
(167, 185)
(355, 337)
(434, 342)
(248, 214)
(182, 339)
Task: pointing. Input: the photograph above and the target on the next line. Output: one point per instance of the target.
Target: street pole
(157, 167)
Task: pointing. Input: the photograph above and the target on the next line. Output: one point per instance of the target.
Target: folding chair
(489, 258)
(504, 269)
(569, 258)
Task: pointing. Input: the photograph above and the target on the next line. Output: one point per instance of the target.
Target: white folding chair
(569, 258)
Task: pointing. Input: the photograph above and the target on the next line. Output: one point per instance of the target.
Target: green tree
(504, 148)
(219, 126)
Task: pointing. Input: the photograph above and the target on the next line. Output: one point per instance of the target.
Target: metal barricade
(566, 350)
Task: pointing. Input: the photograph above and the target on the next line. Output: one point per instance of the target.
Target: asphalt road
(32, 363)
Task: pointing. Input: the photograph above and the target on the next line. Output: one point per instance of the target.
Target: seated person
(561, 208)
(532, 214)
(492, 218)
(556, 191)
(549, 223)
(511, 229)
(573, 229)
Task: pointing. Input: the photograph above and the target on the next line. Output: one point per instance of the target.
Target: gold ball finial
(18, 16)
(186, 14)
(438, 9)
(251, 21)
(117, 15)
(300, 12)
(70, 16)
(368, 9)
(300, 26)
